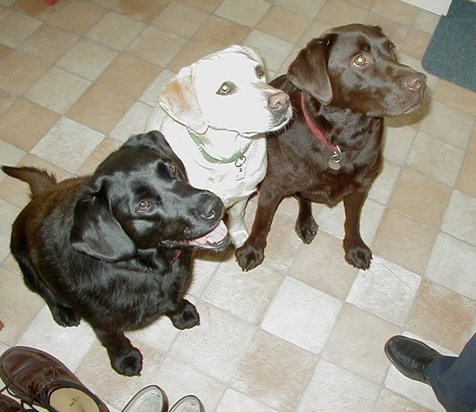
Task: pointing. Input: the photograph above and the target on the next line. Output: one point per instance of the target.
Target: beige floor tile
(9, 214)
(68, 144)
(48, 43)
(77, 16)
(219, 33)
(448, 125)
(13, 303)
(383, 186)
(416, 43)
(452, 265)
(426, 21)
(106, 147)
(472, 142)
(18, 72)
(339, 12)
(58, 90)
(322, 266)
(33, 161)
(190, 53)
(16, 27)
(87, 59)
(420, 197)
(442, 316)
(115, 31)
(96, 373)
(386, 290)
(389, 401)
(234, 401)
(467, 175)
(178, 379)
(399, 11)
(404, 241)
(247, 12)
(305, 7)
(333, 388)
(180, 19)
(205, 266)
(460, 217)
(15, 191)
(132, 123)
(129, 75)
(356, 343)
(143, 10)
(223, 337)
(284, 24)
(455, 96)
(145, 46)
(392, 29)
(37, 9)
(25, 123)
(205, 5)
(9, 155)
(4, 50)
(398, 141)
(274, 372)
(434, 158)
(246, 295)
(100, 108)
(294, 305)
(152, 91)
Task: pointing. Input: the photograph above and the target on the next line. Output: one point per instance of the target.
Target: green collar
(209, 158)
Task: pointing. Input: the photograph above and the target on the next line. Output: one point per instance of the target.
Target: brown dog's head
(139, 199)
(355, 67)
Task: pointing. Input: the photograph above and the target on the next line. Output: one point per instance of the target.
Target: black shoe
(411, 357)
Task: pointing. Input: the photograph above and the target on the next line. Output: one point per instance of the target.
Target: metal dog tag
(334, 161)
(241, 172)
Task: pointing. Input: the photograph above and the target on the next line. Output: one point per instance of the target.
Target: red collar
(176, 257)
(317, 132)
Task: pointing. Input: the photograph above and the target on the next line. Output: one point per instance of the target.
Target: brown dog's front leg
(251, 254)
(125, 359)
(357, 253)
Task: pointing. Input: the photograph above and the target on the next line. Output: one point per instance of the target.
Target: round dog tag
(334, 164)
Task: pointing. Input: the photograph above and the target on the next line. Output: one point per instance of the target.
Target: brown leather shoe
(9, 405)
(38, 378)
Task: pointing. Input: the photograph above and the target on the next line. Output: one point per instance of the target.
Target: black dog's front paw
(129, 364)
(249, 257)
(64, 316)
(186, 317)
(359, 256)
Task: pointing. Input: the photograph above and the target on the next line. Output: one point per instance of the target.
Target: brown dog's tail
(39, 180)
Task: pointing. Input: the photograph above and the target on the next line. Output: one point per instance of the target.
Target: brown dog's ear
(96, 231)
(308, 71)
(179, 101)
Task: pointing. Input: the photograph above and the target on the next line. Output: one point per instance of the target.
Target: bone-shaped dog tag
(240, 166)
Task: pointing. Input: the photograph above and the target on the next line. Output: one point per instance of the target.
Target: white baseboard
(435, 6)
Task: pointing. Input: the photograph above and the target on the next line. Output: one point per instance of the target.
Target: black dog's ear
(308, 71)
(96, 231)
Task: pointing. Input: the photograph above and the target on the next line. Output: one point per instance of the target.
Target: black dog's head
(355, 67)
(138, 199)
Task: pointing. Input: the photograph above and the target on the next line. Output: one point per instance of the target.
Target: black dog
(115, 248)
(341, 86)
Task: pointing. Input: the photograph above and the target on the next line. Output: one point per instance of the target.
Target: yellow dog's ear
(179, 101)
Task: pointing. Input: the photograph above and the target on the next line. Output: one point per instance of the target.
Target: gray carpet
(451, 53)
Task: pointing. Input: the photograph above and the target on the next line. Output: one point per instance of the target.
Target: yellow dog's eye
(259, 71)
(225, 88)
(143, 205)
(360, 61)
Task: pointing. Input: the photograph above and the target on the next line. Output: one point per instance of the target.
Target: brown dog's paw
(129, 364)
(249, 257)
(359, 256)
(307, 231)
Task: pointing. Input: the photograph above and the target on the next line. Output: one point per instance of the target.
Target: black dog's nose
(416, 81)
(210, 207)
(278, 101)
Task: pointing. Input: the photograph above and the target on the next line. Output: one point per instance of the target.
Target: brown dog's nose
(416, 81)
(278, 101)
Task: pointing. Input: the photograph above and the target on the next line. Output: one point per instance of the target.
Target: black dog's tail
(39, 180)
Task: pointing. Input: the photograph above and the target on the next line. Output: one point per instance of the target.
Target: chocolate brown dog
(114, 248)
(341, 86)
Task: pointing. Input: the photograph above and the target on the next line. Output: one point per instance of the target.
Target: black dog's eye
(143, 205)
(225, 88)
(259, 71)
(360, 61)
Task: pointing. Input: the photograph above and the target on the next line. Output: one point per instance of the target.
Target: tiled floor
(305, 331)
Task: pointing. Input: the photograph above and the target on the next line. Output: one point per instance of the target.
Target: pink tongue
(215, 236)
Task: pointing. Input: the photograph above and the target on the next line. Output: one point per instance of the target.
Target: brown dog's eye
(360, 61)
(225, 89)
(259, 71)
(143, 205)
(172, 169)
